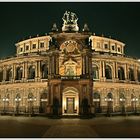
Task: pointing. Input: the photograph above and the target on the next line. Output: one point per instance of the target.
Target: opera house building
(69, 72)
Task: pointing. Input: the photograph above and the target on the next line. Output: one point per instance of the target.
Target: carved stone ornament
(70, 46)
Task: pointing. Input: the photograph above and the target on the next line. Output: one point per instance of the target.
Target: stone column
(26, 71)
(57, 65)
(30, 46)
(135, 73)
(4, 73)
(126, 72)
(103, 71)
(100, 70)
(114, 70)
(39, 71)
(103, 68)
(14, 72)
(36, 70)
(53, 64)
(83, 64)
(87, 64)
(49, 66)
(38, 45)
(23, 70)
(24, 48)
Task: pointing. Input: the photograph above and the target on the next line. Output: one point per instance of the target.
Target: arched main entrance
(70, 101)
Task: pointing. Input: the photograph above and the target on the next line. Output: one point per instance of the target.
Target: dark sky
(121, 21)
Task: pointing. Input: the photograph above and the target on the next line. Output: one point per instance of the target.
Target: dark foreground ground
(37, 127)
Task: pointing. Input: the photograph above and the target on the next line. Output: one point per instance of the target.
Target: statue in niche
(70, 67)
(69, 71)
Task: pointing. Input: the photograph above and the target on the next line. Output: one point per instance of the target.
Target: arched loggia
(131, 74)
(44, 69)
(19, 72)
(9, 74)
(121, 73)
(95, 72)
(31, 72)
(108, 72)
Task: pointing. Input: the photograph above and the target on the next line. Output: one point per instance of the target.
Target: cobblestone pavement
(38, 127)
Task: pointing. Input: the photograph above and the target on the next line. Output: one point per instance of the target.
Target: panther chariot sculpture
(70, 22)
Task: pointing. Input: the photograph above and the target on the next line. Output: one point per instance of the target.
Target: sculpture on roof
(70, 18)
(70, 21)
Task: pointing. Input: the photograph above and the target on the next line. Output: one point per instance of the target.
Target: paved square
(39, 127)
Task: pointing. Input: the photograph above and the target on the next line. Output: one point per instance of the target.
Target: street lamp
(109, 101)
(122, 100)
(5, 99)
(96, 103)
(135, 99)
(17, 100)
(31, 100)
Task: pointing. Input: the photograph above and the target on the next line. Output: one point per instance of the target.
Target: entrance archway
(70, 101)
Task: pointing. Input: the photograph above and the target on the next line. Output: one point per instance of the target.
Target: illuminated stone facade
(69, 73)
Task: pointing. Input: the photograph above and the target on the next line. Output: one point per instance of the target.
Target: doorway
(70, 105)
(70, 101)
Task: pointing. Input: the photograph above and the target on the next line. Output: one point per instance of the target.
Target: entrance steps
(78, 116)
(70, 116)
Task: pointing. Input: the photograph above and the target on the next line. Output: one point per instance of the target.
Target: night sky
(18, 21)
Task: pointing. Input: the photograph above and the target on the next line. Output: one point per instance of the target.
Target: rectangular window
(113, 47)
(106, 46)
(34, 46)
(21, 49)
(27, 47)
(119, 50)
(42, 45)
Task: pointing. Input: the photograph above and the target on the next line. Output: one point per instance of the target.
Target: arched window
(95, 72)
(109, 95)
(9, 74)
(108, 72)
(122, 95)
(30, 96)
(19, 72)
(131, 74)
(121, 73)
(17, 96)
(44, 72)
(31, 74)
(138, 74)
(1, 75)
(96, 95)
